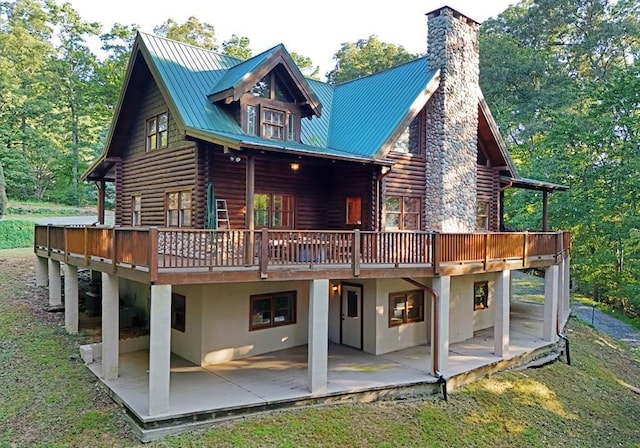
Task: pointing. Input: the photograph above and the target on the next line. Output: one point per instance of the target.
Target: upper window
(178, 206)
(482, 216)
(136, 210)
(402, 213)
(270, 110)
(158, 132)
(273, 310)
(406, 307)
(480, 295)
(273, 210)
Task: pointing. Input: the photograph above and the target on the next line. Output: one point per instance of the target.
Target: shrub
(16, 233)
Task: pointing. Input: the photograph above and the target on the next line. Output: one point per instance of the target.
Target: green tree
(193, 32)
(237, 47)
(75, 66)
(306, 66)
(365, 57)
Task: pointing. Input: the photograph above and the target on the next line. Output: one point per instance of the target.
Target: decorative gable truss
(268, 95)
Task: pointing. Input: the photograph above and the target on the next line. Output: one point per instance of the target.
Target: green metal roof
(235, 74)
(357, 117)
(367, 110)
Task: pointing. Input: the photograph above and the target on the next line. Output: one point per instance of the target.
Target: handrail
(155, 249)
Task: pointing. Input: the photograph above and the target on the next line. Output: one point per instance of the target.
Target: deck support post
(440, 331)
(55, 284)
(159, 349)
(501, 313)
(42, 271)
(566, 282)
(318, 346)
(71, 298)
(110, 326)
(549, 328)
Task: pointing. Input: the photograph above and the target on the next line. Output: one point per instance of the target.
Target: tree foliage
(365, 57)
(191, 32)
(563, 80)
(238, 47)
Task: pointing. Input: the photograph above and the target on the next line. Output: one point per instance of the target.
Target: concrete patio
(200, 396)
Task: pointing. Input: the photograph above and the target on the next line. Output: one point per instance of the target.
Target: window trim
(290, 213)
(178, 308)
(402, 213)
(484, 216)
(160, 142)
(292, 295)
(484, 304)
(393, 321)
(180, 209)
(136, 210)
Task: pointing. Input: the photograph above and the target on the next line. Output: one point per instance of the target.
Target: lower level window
(406, 307)
(273, 310)
(480, 295)
(178, 312)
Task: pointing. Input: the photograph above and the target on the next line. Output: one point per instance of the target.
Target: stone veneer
(452, 123)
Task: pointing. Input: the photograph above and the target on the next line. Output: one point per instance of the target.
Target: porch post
(55, 284)
(549, 332)
(566, 291)
(545, 213)
(318, 346)
(101, 200)
(71, 298)
(159, 349)
(42, 271)
(440, 331)
(110, 326)
(501, 314)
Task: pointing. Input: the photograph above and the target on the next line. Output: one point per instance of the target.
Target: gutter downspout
(442, 380)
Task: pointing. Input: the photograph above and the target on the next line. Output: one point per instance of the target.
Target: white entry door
(351, 304)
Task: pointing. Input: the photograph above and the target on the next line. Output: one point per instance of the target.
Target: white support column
(549, 332)
(159, 349)
(42, 271)
(71, 298)
(440, 353)
(318, 346)
(55, 284)
(566, 287)
(110, 326)
(501, 314)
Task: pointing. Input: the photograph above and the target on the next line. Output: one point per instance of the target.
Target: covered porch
(203, 395)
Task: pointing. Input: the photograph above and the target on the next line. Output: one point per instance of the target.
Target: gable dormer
(267, 95)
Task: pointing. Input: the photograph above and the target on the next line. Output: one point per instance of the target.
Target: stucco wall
(484, 318)
(188, 344)
(225, 318)
(387, 338)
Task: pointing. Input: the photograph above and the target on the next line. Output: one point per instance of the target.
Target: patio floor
(202, 395)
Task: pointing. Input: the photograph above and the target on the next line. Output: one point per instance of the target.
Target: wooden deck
(182, 256)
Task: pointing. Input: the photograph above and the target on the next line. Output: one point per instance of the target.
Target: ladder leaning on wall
(222, 215)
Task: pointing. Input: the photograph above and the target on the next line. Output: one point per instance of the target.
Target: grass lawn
(48, 398)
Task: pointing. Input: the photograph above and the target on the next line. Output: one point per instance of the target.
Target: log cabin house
(257, 210)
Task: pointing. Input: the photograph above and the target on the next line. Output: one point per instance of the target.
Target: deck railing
(156, 250)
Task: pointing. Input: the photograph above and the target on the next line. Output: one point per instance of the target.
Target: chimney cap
(455, 13)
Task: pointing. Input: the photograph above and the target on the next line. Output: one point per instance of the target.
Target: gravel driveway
(607, 324)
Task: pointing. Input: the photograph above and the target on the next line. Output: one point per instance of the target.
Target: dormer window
(270, 110)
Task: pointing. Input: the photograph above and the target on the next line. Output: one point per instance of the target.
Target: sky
(312, 29)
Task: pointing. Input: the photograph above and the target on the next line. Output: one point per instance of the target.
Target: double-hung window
(158, 132)
(178, 206)
(136, 210)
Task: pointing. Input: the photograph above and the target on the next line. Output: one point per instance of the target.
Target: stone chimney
(452, 122)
